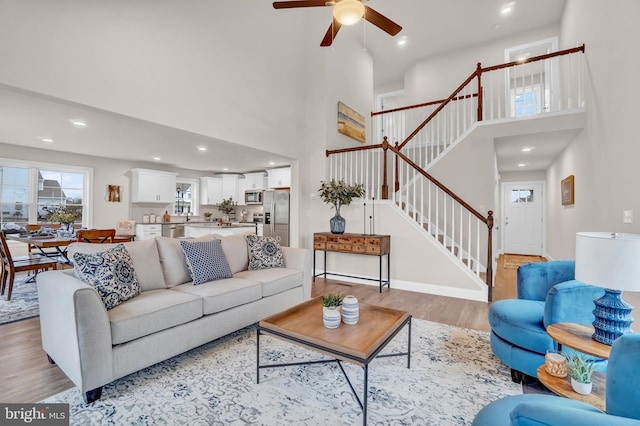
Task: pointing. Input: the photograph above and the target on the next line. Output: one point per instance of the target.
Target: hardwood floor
(26, 375)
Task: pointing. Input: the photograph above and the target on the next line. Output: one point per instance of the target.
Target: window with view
(30, 192)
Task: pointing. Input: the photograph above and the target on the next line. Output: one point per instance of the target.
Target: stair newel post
(385, 186)
(490, 255)
(397, 177)
(479, 74)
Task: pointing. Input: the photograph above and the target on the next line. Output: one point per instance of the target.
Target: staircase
(514, 91)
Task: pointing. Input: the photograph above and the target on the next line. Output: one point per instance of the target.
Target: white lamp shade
(348, 12)
(608, 260)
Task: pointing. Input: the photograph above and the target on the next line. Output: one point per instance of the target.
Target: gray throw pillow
(264, 252)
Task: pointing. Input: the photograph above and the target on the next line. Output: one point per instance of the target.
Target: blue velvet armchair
(622, 396)
(547, 294)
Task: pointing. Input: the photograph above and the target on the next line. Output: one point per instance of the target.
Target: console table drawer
(373, 249)
(332, 246)
(358, 248)
(319, 237)
(321, 245)
(344, 247)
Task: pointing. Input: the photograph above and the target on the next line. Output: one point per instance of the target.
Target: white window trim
(87, 184)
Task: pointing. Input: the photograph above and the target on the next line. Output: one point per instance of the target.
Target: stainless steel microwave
(253, 196)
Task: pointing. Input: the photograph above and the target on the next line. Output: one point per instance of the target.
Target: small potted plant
(581, 370)
(207, 216)
(339, 194)
(331, 310)
(63, 216)
(226, 207)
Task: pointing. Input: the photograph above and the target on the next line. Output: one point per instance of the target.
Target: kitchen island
(199, 229)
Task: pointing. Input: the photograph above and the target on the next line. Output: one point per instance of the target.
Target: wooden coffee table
(358, 344)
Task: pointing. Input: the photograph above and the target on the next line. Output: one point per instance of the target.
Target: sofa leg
(51, 361)
(516, 376)
(92, 395)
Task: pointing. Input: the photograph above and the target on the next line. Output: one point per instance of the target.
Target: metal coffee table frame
(340, 356)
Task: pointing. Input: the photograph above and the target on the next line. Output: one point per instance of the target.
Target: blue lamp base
(613, 317)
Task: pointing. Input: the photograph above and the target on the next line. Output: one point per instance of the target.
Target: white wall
(604, 156)
(165, 61)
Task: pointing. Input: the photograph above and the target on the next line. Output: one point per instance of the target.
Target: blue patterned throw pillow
(110, 272)
(264, 252)
(206, 261)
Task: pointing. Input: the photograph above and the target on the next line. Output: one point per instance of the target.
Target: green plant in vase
(339, 194)
(63, 216)
(581, 371)
(207, 216)
(227, 206)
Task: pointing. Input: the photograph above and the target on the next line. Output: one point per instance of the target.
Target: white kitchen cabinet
(256, 180)
(229, 186)
(279, 178)
(148, 231)
(242, 186)
(152, 186)
(210, 190)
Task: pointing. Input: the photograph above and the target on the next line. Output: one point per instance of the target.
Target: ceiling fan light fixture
(348, 12)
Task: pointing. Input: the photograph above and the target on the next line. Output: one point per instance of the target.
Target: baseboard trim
(427, 288)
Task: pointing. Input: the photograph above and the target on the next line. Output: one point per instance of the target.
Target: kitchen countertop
(198, 222)
(215, 225)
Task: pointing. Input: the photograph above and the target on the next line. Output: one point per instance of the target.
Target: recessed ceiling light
(47, 140)
(226, 169)
(403, 41)
(271, 163)
(156, 158)
(78, 123)
(507, 8)
(202, 148)
(528, 148)
(522, 164)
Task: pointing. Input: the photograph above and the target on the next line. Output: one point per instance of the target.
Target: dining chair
(11, 265)
(36, 227)
(97, 236)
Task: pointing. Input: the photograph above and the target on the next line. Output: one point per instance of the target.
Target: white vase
(331, 317)
(581, 388)
(350, 310)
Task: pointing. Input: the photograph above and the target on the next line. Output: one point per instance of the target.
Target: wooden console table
(371, 245)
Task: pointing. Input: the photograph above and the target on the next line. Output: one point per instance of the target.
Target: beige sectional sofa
(95, 346)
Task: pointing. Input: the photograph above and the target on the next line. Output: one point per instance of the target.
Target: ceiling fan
(345, 12)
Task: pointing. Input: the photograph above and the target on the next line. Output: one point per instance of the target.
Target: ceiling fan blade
(381, 21)
(298, 3)
(331, 33)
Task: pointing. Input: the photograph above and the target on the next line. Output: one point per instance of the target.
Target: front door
(523, 225)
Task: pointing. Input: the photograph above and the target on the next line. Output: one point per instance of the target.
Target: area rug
(23, 303)
(453, 375)
(513, 261)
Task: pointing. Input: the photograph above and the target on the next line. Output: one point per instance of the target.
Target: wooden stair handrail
(387, 111)
(329, 152)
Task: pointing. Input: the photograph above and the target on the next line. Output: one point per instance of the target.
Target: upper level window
(29, 191)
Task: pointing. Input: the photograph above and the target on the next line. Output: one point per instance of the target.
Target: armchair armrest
(75, 327)
(536, 279)
(571, 301)
(299, 258)
(538, 413)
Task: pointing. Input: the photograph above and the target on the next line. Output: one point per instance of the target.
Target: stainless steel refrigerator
(276, 215)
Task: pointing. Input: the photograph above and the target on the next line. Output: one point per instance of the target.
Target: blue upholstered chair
(622, 396)
(547, 294)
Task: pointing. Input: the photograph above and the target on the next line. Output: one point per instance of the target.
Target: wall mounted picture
(566, 188)
(351, 123)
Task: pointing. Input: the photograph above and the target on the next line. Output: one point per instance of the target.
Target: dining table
(59, 243)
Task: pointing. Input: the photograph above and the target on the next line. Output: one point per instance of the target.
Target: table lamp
(611, 261)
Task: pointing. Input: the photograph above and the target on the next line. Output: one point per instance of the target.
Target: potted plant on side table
(339, 194)
(581, 370)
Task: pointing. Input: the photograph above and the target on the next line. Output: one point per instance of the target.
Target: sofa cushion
(520, 322)
(223, 294)
(110, 272)
(206, 261)
(264, 252)
(236, 250)
(274, 280)
(144, 255)
(174, 265)
(152, 311)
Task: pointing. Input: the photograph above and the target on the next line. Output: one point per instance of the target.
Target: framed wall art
(351, 123)
(566, 188)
